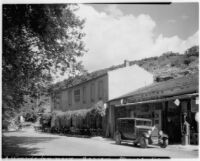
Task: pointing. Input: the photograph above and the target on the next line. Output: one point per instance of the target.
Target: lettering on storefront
(144, 115)
(194, 106)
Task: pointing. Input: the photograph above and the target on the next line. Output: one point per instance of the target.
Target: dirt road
(30, 143)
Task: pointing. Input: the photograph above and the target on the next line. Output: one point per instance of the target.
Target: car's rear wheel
(144, 142)
(164, 143)
(118, 138)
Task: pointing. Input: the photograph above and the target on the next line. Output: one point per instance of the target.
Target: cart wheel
(164, 143)
(143, 142)
(118, 138)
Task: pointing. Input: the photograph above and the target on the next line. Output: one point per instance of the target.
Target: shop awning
(158, 90)
(160, 100)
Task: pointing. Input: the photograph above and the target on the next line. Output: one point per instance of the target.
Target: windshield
(143, 123)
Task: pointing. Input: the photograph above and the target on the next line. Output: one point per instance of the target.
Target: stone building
(105, 86)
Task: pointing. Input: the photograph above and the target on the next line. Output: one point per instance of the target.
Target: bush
(45, 121)
(84, 121)
(55, 122)
(30, 116)
(94, 116)
(5, 124)
(78, 118)
(11, 123)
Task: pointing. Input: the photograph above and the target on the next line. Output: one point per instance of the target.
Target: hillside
(172, 65)
(167, 66)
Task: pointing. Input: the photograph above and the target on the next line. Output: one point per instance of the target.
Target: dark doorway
(173, 123)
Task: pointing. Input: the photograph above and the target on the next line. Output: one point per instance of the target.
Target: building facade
(168, 104)
(107, 86)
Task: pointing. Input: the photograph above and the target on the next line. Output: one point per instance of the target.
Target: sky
(115, 32)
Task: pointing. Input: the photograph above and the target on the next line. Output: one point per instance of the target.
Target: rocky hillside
(172, 65)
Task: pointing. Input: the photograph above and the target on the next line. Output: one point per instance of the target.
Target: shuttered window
(70, 98)
(77, 95)
(84, 95)
(92, 92)
(100, 90)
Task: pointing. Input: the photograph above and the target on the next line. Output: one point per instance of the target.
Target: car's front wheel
(164, 143)
(118, 138)
(144, 142)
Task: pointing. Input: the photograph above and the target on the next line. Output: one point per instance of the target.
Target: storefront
(174, 114)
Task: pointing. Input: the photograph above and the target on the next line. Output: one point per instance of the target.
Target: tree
(38, 40)
(192, 51)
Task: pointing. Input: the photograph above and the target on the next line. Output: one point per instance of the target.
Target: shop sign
(123, 101)
(197, 117)
(197, 100)
(177, 102)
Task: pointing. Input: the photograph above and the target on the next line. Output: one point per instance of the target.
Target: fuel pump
(185, 131)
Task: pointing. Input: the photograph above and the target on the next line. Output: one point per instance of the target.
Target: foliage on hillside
(172, 65)
(169, 65)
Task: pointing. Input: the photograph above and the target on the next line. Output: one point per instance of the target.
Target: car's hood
(144, 127)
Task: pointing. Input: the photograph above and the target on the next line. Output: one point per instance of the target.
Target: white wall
(127, 79)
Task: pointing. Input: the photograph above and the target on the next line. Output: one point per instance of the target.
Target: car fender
(164, 136)
(146, 135)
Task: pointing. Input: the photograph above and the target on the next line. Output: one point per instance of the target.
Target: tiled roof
(83, 78)
(182, 85)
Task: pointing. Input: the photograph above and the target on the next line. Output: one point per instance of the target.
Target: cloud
(184, 17)
(171, 21)
(175, 44)
(111, 37)
(113, 10)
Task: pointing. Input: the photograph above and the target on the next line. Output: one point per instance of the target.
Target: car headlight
(149, 132)
(160, 132)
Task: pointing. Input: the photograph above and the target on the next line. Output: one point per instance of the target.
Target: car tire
(135, 144)
(144, 142)
(118, 138)
(164, 143)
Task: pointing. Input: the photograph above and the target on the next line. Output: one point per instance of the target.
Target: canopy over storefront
(187, 86)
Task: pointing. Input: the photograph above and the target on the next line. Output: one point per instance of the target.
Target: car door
(129, 129)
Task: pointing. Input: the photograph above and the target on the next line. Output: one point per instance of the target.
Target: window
(70, 97)
(92, 92)
(100, 90)
(77, 95)
(142, 122)
(58, 100)
(84, 94)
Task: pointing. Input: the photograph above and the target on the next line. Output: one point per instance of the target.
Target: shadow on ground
(131, 145)
(12, 146)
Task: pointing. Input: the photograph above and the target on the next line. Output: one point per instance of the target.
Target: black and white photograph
(100, 80)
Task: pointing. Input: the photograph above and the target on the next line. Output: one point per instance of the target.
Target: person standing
(21, 121)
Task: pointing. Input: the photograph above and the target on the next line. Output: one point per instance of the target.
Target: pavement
(185, 147)
(28, 142)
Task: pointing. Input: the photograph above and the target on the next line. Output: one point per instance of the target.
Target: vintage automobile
(139, 131)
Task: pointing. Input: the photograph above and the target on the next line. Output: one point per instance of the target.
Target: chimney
(126, 63)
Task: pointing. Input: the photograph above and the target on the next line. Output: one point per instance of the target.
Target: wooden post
(112, 114)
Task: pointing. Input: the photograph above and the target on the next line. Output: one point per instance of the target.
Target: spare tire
(118, 138)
